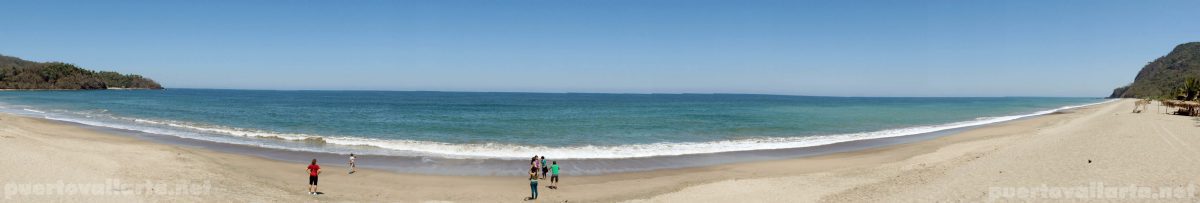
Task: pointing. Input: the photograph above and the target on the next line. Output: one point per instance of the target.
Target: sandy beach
(1099, 144)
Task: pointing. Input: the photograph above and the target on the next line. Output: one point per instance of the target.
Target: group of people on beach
(538, 164)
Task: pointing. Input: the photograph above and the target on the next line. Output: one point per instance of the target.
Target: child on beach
(313, 171)
(554, 176)
(352, 168)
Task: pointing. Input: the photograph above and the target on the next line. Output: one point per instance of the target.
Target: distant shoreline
(123, 88)
(111, 88)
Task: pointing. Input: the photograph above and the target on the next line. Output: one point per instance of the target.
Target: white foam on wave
(492, 150)
(171, 128)
(510, 151)
(32, 110)
(226, 130)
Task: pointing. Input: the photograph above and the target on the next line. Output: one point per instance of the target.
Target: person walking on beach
(545, 168)
(352, 167)
(554, 176)
(533, 182)
(313, 171)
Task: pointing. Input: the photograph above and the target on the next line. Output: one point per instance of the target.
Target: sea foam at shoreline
(518, 125)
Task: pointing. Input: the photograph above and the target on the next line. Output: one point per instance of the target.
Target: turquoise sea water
(517, 125)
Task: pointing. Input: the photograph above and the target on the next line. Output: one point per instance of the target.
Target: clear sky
(834, 48)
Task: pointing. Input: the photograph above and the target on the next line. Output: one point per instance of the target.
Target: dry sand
(1148, 149)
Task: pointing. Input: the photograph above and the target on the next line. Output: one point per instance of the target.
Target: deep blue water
(510, 125)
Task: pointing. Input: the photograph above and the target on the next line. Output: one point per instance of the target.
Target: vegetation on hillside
(1167, 76)
(16, 73)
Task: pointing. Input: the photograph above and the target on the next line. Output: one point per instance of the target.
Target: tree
(1190, 89)
(22, 74)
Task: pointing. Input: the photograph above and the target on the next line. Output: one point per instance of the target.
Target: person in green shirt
(554, 176)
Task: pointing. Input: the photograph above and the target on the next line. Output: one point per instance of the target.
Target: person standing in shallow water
(313, 171)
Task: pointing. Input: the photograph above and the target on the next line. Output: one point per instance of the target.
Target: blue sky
(834, 48)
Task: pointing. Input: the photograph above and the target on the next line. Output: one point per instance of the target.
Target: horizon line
(627, 93)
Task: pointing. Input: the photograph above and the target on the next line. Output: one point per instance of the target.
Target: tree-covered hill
(1163, 77)
(16, 73)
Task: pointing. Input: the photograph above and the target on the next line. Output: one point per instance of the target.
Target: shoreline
(955, 167)
(590, 167)
(435, 165)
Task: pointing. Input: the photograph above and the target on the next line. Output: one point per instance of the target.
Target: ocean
(515, 126)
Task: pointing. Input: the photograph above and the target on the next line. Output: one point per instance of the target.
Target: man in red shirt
(313, 171)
